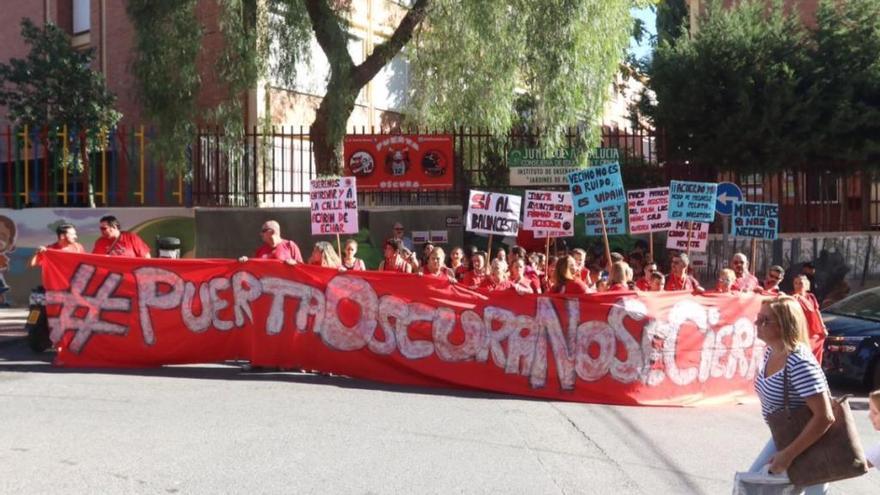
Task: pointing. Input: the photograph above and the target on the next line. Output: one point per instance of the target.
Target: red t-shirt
(618, 287)
(491, 285)
(576, 286)
(460, 272)
(674, 282)
(128, 245)
(399, 266)
(285, 250)
(815, 326)
(745, 283)
(472, 281)
(643, 284)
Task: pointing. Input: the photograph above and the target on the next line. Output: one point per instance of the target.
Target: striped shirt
(805, 379)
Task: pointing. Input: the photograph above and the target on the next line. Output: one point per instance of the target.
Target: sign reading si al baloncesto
(493, 213)
(756, 220)
(334, 206)
(536, 167)
(693, 201)
(549, 212)
(596, 187)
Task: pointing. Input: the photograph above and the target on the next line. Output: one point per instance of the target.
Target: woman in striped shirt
(781, 325)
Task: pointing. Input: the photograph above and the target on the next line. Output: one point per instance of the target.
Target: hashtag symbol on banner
(75, 302)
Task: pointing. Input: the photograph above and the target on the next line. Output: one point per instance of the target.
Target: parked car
(852, 349)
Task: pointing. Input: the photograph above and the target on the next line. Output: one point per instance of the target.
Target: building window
(82, 16)
(822, 188)
(752, 186)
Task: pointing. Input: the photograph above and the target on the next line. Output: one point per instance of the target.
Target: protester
(658, 280)
(498, 277)
(568, 280)
(397, 232)
(114, 242)
(637, 262)
(679, 279)
(521, 283)
(476, 277)
(780, 324)
(435, 267)
(809, 270)
(548, 281)
(411, 258)
(815, 325)
(324, 255)
(726, 279)
(274, 247)
(745, 281)
(393, 261)
(427, 249)
(458, 263)
(349, 261)
(620, 276)
(66, 241)
(873, 454)
(644, 282)
(770, 287)
(519, 253)
(500, 254)
(580, 258)
(603, 285)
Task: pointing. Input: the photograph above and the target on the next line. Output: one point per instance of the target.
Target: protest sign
(693, 201)
(677, 237)
(550, 212)
(648, 210)
(493, 213)
(596, 187)
(639, 348)
(615, 221)
(536, 167)
(756, 220)
(334, 206)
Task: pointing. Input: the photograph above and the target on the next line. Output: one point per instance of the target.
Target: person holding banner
(435, 267)
(679, 279)
(66, 234)
(499, 278)
(620, 276)
(476, 277)
(745, 281)
(349, 261)
(658, 280)
(815, 325)
(775, 274)
(115, 242)
(324, 255)
(521, 283)
(724, 285)
(393, 261)
(457, 263)
(274, 247)
(644, 282)
(568, 280)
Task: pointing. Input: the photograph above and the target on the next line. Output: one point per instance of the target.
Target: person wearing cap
(274, 247)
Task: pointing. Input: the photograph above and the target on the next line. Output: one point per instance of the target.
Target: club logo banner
(400, 161)
(617, 348)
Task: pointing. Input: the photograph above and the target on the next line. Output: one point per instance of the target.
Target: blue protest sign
(615, 221)
(727, 194)
(596, 187)
(694, 201)
(756, 220)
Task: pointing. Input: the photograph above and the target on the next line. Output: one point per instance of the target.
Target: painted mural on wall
(23, 231)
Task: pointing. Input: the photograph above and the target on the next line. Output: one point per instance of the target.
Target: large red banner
(400, 161)
(617, 348)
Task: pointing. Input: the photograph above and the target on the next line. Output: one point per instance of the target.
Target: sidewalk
(12, 324)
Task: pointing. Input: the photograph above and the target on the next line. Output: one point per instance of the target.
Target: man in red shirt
(115, 242)
(679, 279)
(274, 247)
(775, 274)
(66, 242)
(745, 281)
(644, 282)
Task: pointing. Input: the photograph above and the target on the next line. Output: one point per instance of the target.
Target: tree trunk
(328, 129)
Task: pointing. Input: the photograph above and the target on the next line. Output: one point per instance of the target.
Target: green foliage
(54, 85)
(755, 90)
(472, 59)
(167, 41)
(672, 20)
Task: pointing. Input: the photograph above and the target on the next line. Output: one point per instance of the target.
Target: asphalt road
(213, 429)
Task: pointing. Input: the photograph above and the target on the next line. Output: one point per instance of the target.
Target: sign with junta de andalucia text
(537, 167)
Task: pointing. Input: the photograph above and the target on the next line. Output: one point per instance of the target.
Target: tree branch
(331, 38)
(384, 52)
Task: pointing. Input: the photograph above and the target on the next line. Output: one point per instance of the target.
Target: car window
(865, 304)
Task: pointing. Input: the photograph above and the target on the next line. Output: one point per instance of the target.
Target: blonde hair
(620, 273)
(329, 258)
(728, 274)
(791, 319)
(874, 397)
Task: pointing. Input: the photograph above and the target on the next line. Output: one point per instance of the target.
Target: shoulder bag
(836, 455)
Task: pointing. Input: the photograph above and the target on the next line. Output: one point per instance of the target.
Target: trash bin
(168, 247)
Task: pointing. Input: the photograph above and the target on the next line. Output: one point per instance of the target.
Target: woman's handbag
(837, 455)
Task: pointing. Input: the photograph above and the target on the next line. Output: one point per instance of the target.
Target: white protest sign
(493, 213)
(550, 212)
(334, 206)
(648, 210)
(677, 236)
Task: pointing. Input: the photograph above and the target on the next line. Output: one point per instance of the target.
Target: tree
(756, 90)
(54, 86)
(470, 60)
